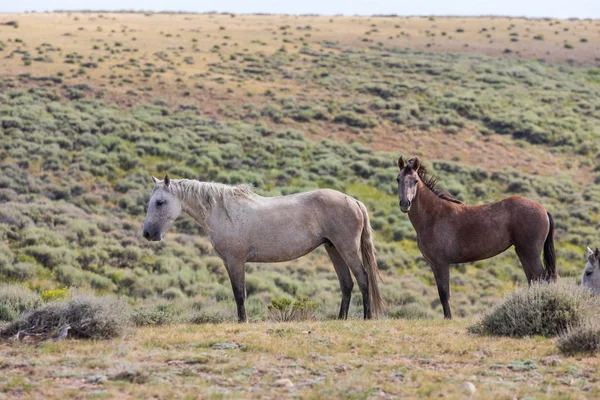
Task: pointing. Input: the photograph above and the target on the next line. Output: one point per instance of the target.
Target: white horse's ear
(155, 181)
(589, 252)
(167, 180)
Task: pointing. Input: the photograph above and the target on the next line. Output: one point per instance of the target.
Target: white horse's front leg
(236, 271)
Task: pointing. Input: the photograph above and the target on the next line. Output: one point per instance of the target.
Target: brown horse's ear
(401, 163)
(416, 164)
(155, 180)
(167, 180)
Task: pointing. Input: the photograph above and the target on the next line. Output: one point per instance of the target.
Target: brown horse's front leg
(442, 280)
(238, 284)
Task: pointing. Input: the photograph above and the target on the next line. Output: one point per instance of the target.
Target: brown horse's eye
(398, 180)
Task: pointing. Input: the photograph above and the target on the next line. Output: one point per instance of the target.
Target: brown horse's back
(487, 230)
(529, 221)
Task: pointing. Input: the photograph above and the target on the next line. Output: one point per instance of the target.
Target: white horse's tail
(367, 250)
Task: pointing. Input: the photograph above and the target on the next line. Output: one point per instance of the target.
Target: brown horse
(450, 232)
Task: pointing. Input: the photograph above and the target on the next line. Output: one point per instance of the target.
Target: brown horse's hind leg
(343, 273)
(531, 262)
(442, 280)
(351, 255)
(236, 272)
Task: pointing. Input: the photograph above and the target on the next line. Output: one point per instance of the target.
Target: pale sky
(527, 8)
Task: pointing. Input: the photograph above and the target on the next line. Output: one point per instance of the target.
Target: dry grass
(140, 36)
(352, 359)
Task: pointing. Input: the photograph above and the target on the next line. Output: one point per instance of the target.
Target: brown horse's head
(407, 179)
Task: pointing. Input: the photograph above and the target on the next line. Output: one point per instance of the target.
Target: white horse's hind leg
(351, 255)
(237, 276)
(344, 277)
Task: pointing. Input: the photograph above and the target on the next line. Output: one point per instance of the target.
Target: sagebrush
(584, 339)
(15, 300)
(85, 317)
(546, 309)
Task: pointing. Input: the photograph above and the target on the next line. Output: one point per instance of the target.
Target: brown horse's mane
(431, 182)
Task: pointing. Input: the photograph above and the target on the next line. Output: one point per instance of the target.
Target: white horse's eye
(160, 202)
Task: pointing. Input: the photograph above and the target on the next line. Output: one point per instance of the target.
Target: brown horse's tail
(367, 250)
(549, 254)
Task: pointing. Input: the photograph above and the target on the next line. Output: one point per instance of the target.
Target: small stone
(312, 382)
(226, 345)
(469, 388)
(341, 368)
(283, 383)
(130, 375)
(551, 361)
(397, 375)
(96, 379)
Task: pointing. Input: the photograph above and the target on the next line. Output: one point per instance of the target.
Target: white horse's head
(591, 274)
(163, 210)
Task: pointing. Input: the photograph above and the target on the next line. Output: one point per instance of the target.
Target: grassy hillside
(87, 115)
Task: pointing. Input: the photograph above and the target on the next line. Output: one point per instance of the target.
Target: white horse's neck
(199, 199)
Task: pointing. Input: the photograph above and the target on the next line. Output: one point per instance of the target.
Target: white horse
(245, 227)
(591, 274)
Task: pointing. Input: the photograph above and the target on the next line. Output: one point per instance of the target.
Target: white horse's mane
(202, 196)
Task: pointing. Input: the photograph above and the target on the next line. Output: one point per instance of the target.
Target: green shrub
(173, 293)
(74, 277)
(541, 309)
(584, 339)
(85, 317)
(21, 271)
(15, 300)
(351, 119)
(285, 310)
(287, 285)
(209, 317)
(410, 311)
(154, 316)
(49, 257)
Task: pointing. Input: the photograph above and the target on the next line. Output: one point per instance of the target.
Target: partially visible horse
(245, 227)
(450, 232)
(591, 274)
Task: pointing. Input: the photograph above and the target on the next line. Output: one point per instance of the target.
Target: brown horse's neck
(426, 206)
